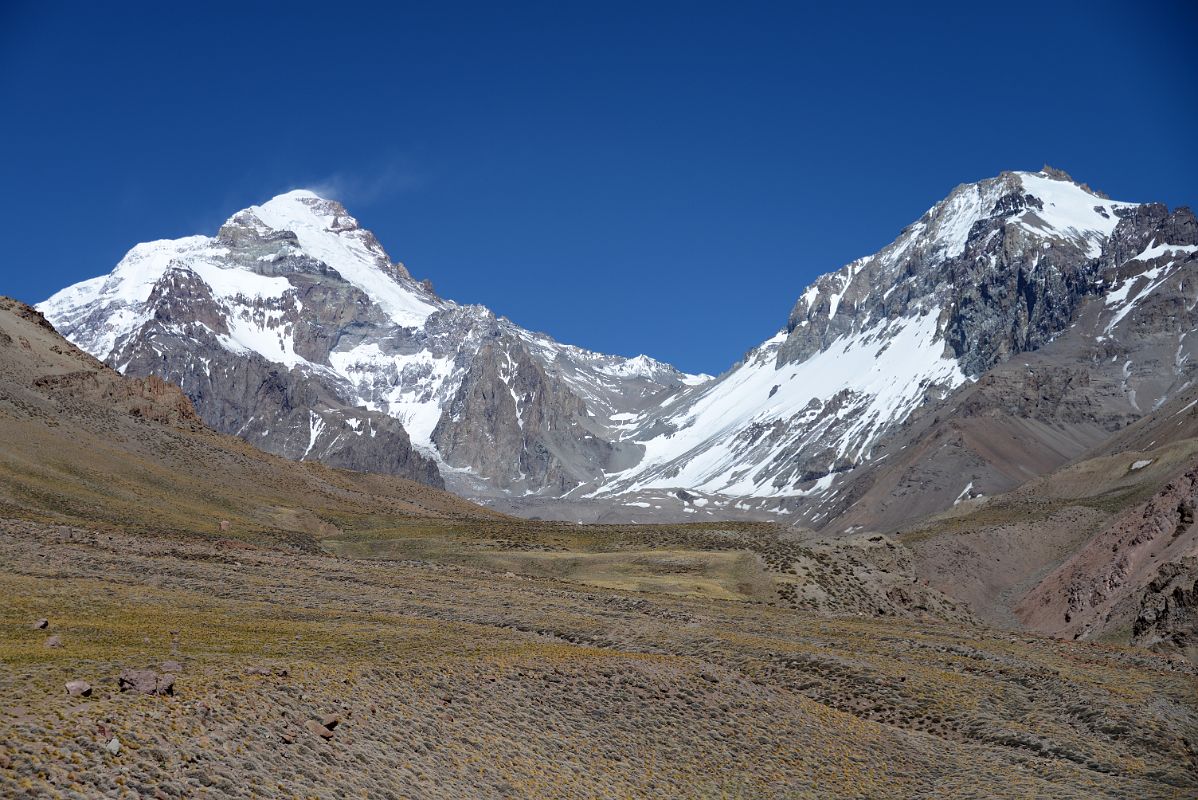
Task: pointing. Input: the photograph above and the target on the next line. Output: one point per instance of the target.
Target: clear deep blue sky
(644, 177)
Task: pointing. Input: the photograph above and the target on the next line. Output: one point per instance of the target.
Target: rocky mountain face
(1019, 322)
(1125, 352)
(292, 329)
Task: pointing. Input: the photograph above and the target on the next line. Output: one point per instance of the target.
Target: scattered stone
(318, 729)
(144, 681)
(53, 641)
(257, 670)
(171, 666)
(147, 681)
(225, 524)
(331, 721)
(79, 688)
(5, 761)
(41, 624)
(113, 746)
(287, 737)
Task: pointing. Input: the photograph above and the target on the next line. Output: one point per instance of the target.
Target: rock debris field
(156, 667)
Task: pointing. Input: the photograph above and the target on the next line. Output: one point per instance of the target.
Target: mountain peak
(324, 230)
(303, 203)
(300, 194)
(302, 211)
(1058, 174)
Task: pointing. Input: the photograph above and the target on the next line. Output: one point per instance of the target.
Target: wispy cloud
(385, 178)
(357, 188)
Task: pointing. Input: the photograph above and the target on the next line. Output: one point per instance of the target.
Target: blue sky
(644, 177)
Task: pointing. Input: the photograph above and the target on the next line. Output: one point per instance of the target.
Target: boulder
(146, 681)
(316, 728)
(79, 688)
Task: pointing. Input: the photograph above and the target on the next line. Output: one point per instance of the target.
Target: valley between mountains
(304, 528)
(292, 328)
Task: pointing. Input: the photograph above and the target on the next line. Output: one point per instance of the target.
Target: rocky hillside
(174, 625)
(1151, 549)
(1102, 548)
(85, 445)
(1026, 308)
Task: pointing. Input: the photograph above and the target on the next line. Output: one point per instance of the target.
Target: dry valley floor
(449, 681)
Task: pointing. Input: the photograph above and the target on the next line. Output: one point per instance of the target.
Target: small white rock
(113, 746)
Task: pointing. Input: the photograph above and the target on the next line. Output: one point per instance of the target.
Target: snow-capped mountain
(993, 269)
(293, 329)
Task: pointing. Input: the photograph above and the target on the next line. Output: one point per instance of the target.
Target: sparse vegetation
(452, 682)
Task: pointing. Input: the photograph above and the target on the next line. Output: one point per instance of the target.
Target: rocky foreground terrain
(299, 675)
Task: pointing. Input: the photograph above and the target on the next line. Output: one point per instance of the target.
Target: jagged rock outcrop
(1003, 266)
(1129, 576)
(507, 404)
(1168, 617)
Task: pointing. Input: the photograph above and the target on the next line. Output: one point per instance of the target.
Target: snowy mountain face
(292, 329)
(994, 269)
